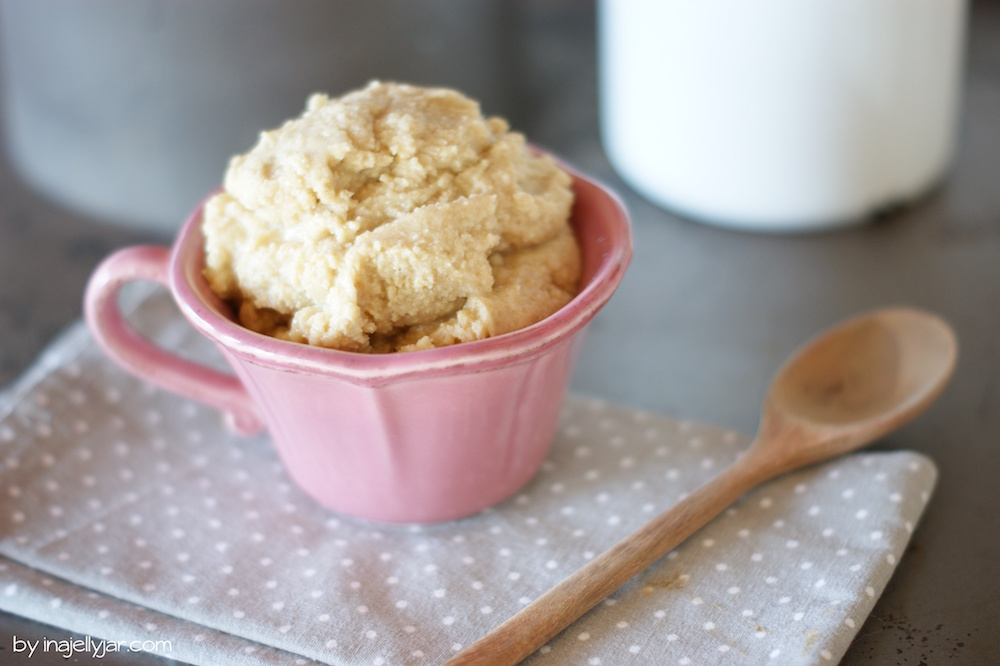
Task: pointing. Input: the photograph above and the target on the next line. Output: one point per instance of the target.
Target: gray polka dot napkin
(132, 516)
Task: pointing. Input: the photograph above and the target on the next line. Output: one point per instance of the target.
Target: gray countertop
(703, 318)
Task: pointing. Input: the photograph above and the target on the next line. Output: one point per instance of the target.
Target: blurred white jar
(780, 115)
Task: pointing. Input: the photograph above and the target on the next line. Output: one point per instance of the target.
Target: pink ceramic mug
(410, 437)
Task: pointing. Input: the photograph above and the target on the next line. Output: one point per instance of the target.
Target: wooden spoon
(842, 390)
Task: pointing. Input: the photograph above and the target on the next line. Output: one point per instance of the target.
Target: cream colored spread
(393, 218)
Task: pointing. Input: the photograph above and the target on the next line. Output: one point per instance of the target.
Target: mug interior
(603, 232)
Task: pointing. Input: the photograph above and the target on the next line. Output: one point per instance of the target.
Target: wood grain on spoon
(842, 390)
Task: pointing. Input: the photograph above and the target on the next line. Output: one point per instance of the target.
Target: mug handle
(142, 358)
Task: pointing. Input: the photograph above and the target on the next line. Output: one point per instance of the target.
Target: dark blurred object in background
(128, 110)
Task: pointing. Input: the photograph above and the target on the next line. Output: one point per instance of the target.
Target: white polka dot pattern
(126, 510)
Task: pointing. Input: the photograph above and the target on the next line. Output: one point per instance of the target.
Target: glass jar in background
(780, 115)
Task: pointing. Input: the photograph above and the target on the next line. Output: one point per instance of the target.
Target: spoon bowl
(842, 390)
(855, 383)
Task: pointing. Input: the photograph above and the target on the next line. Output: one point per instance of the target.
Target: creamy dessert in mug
(394, 218)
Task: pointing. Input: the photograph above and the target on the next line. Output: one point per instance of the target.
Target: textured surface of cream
(393, 218)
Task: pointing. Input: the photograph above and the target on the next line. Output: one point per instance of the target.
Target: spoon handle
(549, 614)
